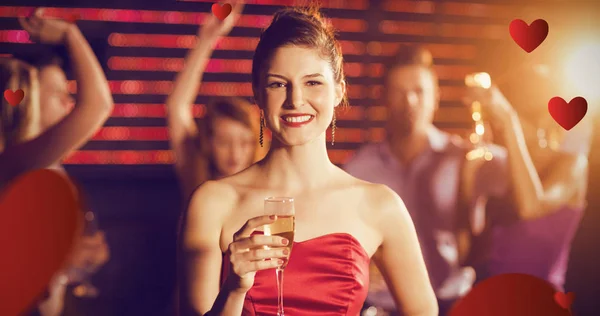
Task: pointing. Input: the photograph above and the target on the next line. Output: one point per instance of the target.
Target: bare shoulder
(208, 208)
(212, 193)
(387, 201)
(215, 200)
(380, 201)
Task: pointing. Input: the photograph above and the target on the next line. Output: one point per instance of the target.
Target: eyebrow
(307, 76)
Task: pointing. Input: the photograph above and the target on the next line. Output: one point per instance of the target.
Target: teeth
(297, 119)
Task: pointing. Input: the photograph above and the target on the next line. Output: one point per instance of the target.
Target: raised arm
(535, 198)
(399, 257)
(183, 133)
(94, 102)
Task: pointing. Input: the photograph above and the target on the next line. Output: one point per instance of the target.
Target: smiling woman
(340, 222)
(293, 97)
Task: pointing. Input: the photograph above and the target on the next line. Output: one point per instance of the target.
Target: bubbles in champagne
(284, 226)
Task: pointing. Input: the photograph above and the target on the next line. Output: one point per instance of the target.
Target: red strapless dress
(327, 275)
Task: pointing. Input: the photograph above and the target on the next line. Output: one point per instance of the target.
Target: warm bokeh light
(480, 79)
(474, 138)
(479, 128)
(582, 70)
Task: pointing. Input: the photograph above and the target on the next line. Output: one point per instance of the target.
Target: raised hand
(90, 254)
(45, 30)
(247, 253)
(213, 27)
(493, 102)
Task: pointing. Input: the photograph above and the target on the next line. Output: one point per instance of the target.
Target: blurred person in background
(583, 274)
(429, 170)
(529, 229)
(226, 141)
(43, 129)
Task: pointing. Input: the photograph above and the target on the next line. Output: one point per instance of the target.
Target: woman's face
(232, 146)
(298, 93)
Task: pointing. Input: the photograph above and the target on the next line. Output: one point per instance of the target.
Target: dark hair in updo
(303, 27)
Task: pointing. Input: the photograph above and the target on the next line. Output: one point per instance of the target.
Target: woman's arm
(202, 257)
(400, 260)
(183, 133)
(94, 102)
(536, 198)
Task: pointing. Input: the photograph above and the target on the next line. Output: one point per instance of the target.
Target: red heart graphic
(567, 115)
(14, 97)
(221, 12)
(40, 220)
(511, 294)
(529, 37)
(564, 300)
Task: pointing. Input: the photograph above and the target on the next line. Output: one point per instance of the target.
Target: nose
(295, 97)
(411, 98)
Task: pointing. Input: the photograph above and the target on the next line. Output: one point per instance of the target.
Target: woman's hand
(247, 253)
(89, 255)
(493, 103)
(45, 30)
(213, 27)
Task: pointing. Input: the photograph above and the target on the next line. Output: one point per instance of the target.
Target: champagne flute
(284, 226)
(484, 81)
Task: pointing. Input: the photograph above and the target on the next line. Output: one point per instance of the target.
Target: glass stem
(279, 273)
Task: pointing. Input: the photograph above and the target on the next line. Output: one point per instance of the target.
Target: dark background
(126, 172)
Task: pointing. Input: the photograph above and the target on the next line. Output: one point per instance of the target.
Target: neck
(406, 147)
(294, 168)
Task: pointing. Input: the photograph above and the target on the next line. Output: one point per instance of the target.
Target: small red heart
(14, 97)
(40, 219)
(221, 12)
(529, 37)
(566, 114)
(564, 300)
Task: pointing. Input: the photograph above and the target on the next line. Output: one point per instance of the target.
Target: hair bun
(298, 16)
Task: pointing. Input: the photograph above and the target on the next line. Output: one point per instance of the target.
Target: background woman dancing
(34, 138)
(226, 141)
(531, 229)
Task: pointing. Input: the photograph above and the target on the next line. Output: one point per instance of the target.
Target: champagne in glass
(484, 81)
(284, 226)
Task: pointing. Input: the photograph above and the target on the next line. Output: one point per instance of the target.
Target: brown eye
(276, 85)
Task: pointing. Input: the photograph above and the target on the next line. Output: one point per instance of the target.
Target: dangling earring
(333, 129)
(262, 123)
